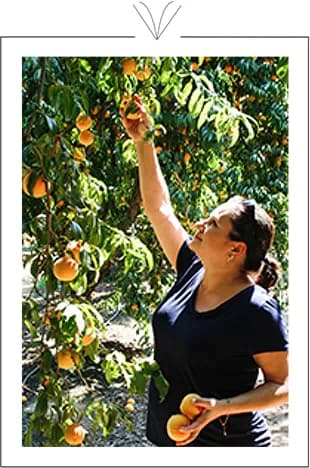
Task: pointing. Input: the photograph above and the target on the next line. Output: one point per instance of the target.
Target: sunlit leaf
(194, 99)
(204, 113)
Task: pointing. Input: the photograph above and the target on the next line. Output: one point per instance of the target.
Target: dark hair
(269, 274)
(253, 226)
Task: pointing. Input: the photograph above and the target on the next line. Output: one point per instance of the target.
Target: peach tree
(220, 128)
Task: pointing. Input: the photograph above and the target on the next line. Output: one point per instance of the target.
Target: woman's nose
(201, 225)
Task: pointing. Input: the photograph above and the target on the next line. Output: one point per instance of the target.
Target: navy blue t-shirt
(211, 354)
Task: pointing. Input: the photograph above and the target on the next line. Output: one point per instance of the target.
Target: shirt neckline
(220, 307)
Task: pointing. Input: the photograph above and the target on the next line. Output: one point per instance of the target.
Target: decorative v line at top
(156, 33)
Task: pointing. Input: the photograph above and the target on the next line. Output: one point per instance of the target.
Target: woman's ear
(239, 248)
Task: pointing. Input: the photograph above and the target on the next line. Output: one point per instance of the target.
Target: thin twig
(48, 242)
(85, 381)
(27, 362)
(30, 373)
(29, 389)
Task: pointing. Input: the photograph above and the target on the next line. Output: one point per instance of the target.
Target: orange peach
(188, 408)
(173, 427)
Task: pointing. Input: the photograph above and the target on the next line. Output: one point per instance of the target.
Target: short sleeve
(267, 330)
(185, 258)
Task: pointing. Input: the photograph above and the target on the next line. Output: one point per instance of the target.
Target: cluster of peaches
(188, 412)
(86, 137)
(66, 267)
(130, 67)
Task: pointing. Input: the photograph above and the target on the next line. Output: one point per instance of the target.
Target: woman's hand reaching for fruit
(135, 118)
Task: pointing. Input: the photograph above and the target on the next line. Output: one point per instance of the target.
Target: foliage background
(220, 129)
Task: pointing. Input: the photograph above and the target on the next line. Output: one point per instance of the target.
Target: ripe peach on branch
(75, 434)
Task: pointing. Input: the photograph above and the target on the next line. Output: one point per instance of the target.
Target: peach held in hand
(188, 408)
(173, 427)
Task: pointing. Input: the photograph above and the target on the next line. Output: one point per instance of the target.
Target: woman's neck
(215, 290)
(215, 282)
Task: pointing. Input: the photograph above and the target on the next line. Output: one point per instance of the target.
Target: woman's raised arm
(153, 187)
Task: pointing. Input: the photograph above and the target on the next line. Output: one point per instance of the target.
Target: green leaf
(208, 83)
(162, 385)
(198, 107)
(111, 368)
(53, 92)
(85, 100)
(138, 382)
(186, 92)
(47, 360)
(140, 250)
(235, 133)
(193, 100)
(35, 265)
(41, 406)
(79, 284)
(200, 60)
(52, 125)
(95, 235)
(169, 86)
(248, 126)
(221, 122)
(28, 435)
(51, 280)
(75, 230)
(112, 418)
(68, 103)
(204, 113)
(56, 434)
(31, 328)
(165, 76)
(98, 257)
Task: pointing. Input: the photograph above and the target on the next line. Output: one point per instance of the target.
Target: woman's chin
(192, 244)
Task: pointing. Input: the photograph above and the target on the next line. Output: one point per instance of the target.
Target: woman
(216, 328)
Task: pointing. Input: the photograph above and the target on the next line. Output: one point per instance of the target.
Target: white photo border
(12, 51)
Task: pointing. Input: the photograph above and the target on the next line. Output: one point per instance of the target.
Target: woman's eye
(211, 222)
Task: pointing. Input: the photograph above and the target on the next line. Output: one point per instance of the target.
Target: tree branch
(39, 96)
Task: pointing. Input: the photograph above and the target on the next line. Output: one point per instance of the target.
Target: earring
(230, 257)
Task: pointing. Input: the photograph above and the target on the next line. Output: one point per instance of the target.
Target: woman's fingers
(191, 438)
(138, 100)
(130, 124)
(139, 103)
(143, 114)
(136, 128)
(208, 414)
(199, 423)
(206, 403)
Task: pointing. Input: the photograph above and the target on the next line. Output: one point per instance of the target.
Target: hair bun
(269, 273)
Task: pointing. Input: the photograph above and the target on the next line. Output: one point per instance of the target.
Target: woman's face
(211, 241)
